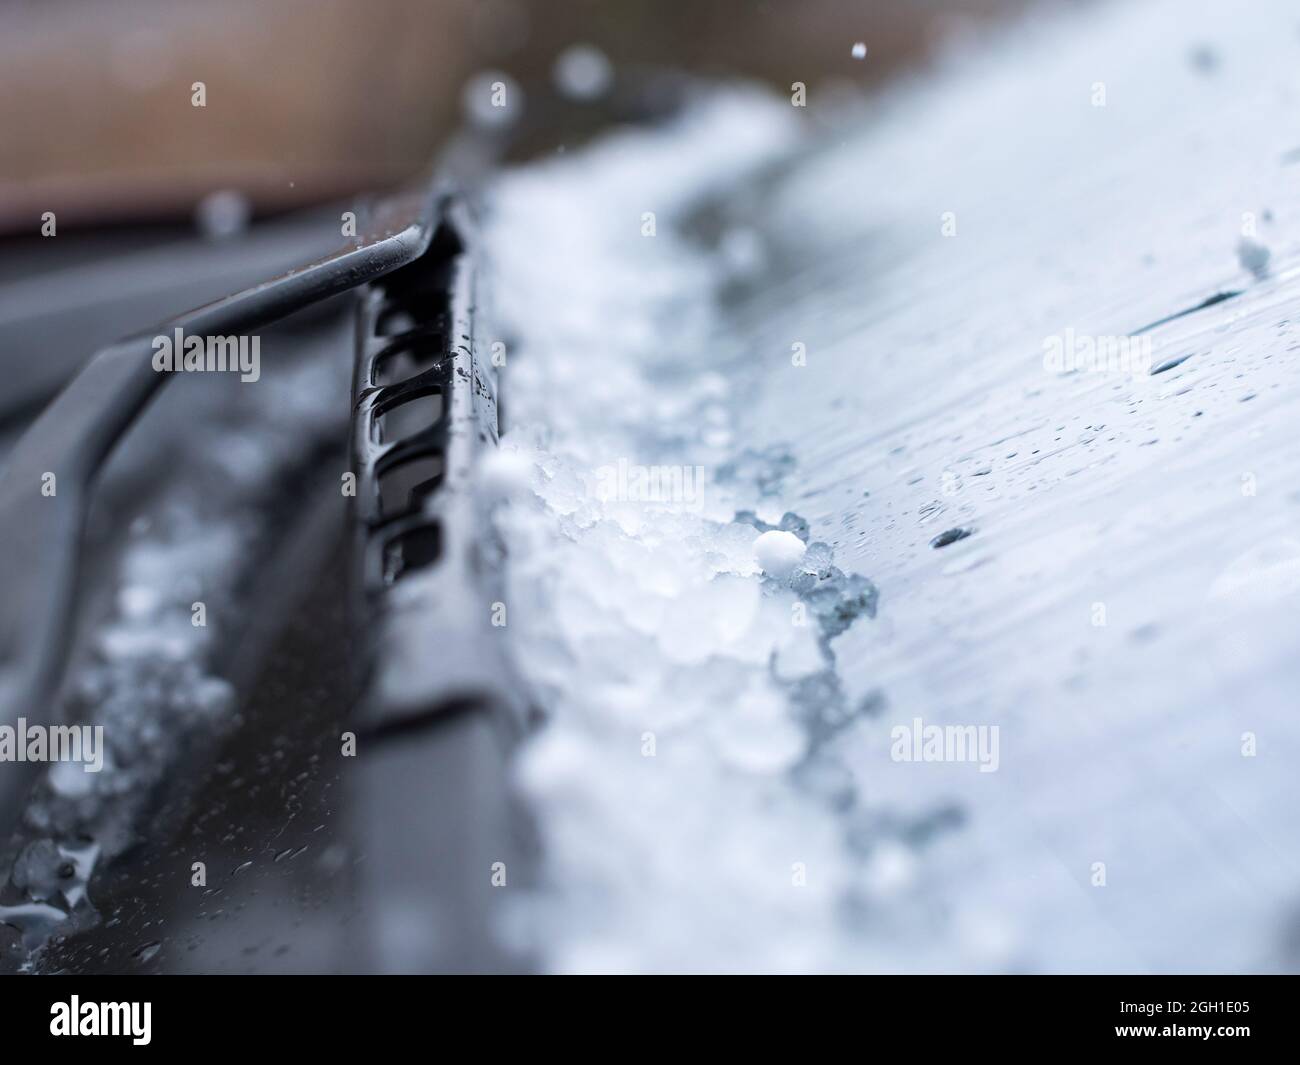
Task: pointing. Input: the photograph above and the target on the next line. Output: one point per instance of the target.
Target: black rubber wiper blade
(441, 712)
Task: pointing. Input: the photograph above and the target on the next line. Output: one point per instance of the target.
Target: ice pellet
(779, 553)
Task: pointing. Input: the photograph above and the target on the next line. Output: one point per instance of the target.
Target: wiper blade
(47, 479)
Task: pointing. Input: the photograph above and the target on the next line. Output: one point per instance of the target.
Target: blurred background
(310, 100)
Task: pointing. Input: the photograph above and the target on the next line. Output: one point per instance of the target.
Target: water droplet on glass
(147, 952)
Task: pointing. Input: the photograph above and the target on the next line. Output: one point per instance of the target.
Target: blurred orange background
(311, 99)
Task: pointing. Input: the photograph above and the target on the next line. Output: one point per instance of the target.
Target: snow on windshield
(905, 557)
